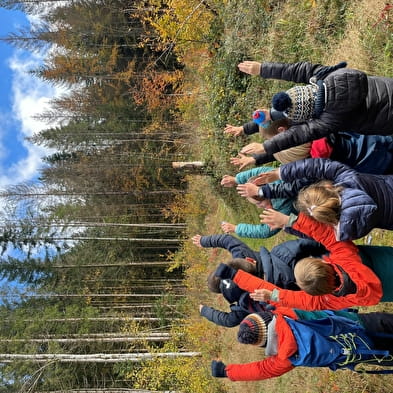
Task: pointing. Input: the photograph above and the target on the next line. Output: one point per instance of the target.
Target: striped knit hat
(297, 103)
(253, 328)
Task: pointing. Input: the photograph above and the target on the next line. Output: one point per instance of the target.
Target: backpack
(336, 342)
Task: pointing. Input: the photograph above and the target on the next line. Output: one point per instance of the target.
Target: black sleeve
(250, 128)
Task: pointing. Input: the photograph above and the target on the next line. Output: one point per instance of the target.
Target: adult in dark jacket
(364, 201)
(364, 153)
(335, 99)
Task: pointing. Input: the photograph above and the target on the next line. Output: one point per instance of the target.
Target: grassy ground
(320, 31)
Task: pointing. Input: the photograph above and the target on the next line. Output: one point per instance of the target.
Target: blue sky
(21, 97)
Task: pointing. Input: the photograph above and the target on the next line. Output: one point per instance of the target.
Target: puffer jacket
(275, 266)
(366, 199)
(279, 263)
(355, 102)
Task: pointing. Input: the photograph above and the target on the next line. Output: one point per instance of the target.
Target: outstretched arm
(250, 67)
(221, 318)
(270, 367)
(298, 134)
(233, 130)
(242, 161)
(315, 169)
(242, 177)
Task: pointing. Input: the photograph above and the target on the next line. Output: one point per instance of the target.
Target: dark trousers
(379, 322)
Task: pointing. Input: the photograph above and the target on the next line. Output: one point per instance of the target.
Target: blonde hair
(315, 276)
(321, 201)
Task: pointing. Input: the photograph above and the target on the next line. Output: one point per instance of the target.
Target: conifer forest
(100, 283)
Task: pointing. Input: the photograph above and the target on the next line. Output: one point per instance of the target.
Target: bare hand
(253, 148)
(267, 177)
(197, 240)
(227, 227)
(242, 161)
(261, 295)
(200, 307)
(233, 130)
(274, 219)
(228, 181)
(247, 190)
(250, 67)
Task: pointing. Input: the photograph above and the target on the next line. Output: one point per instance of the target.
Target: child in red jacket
(354, 283)
(294, 337)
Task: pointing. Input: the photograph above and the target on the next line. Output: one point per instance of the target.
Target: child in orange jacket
(354, 283)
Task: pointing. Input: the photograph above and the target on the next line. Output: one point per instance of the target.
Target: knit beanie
(253, 328)
(297, 103)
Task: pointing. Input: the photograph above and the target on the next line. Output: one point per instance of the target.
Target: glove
(218, 369)
(224, 271)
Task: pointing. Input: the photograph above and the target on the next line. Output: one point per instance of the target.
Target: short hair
(242, 264)
(213, 283)
(288, 155)
(272, 130)
(314, 276)
(321, 201)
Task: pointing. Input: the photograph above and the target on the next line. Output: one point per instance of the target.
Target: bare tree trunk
(97, 319)
(92, 358)
(109, 390)
(133, 264)
(154, 337)
(76, 295)
(188, 165)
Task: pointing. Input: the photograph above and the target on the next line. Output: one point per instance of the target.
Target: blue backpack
(336, 342)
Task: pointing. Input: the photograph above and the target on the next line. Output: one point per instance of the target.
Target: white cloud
(30, 96)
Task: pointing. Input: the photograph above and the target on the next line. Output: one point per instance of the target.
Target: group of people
(332, 136)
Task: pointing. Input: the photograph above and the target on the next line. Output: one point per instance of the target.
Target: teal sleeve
(242, 177)
(261, 231)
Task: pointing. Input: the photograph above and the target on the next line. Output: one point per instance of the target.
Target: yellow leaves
(183, 23)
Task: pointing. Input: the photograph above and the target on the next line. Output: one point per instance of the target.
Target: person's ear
(281, 129)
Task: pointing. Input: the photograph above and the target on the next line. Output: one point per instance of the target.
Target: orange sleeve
(249, 283)
(272, 366)
(263, 369)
